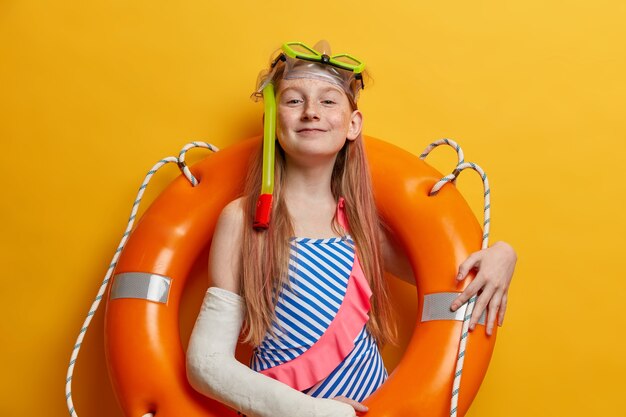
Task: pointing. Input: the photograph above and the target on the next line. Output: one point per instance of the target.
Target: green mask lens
(299, 50)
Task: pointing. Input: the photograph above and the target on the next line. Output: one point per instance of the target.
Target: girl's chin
(312, 155)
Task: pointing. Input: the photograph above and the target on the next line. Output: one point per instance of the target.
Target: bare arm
(225, 254)
(395, 260)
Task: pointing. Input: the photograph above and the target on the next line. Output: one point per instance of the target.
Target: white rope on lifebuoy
(180, 161)
(487, 191)
(462, 165)
(448, 142)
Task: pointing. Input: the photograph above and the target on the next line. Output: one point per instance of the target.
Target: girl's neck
(309, 199)
(308, 182)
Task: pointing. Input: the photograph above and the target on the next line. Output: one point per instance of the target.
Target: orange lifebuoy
(142, 339)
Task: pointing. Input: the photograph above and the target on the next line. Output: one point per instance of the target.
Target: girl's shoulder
(230, 222)
(233, 212)
(226, 247)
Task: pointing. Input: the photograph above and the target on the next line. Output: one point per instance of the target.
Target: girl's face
(314, 119)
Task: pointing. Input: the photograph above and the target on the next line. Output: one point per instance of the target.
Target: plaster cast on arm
(213, 370)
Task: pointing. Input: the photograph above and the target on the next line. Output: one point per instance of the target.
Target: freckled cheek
(281, 122)
(340, 122)
(285, 124)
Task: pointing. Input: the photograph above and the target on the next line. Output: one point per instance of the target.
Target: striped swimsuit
(320, 344)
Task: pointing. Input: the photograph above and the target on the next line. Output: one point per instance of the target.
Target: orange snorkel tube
(264, 204)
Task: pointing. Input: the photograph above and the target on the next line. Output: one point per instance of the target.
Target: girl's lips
(310, 130)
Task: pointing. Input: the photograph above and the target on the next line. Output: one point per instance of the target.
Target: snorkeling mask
(297, 60)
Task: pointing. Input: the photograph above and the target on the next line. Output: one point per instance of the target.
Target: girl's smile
(309, 132)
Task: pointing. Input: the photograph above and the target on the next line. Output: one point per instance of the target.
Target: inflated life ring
(142, 339)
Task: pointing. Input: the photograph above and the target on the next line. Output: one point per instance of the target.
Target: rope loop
(445, 141)
(486, 193)
(181, 159)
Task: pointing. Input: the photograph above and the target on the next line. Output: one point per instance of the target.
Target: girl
(310, 288)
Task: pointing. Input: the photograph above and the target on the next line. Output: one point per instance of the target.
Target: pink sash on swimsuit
(338, 340)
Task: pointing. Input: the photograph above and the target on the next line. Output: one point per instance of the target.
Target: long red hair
(266, 253)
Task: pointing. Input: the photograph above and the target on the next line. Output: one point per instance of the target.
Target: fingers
(355, 404)
(492, 312)
(471, 262)
(494, 271)
(502, 310)
(490, 298)
(469, 292)
(481, 304)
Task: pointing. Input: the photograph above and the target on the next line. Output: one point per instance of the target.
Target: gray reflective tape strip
(437, 307)
(141, 285)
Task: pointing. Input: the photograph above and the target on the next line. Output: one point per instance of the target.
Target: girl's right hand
(355, 404)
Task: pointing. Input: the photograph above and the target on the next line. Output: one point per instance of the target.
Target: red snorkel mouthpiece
(263, 210)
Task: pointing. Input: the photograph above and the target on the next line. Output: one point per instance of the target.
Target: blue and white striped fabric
(319, 270)
(359, 375)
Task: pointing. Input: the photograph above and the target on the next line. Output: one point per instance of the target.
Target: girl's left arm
(494, 268)
(395, 260)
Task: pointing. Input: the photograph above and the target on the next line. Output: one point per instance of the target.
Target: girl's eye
(328, 102)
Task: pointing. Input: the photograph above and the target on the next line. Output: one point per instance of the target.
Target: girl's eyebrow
(289, 89)
(300, 90)
(332, 88)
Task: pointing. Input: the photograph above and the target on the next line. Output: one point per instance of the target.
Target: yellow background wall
(92, 93)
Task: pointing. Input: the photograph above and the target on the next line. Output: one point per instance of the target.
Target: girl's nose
(310, 111)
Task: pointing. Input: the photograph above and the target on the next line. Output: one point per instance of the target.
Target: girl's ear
(356, 123)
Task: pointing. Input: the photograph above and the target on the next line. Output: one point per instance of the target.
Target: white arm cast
(213, 370)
